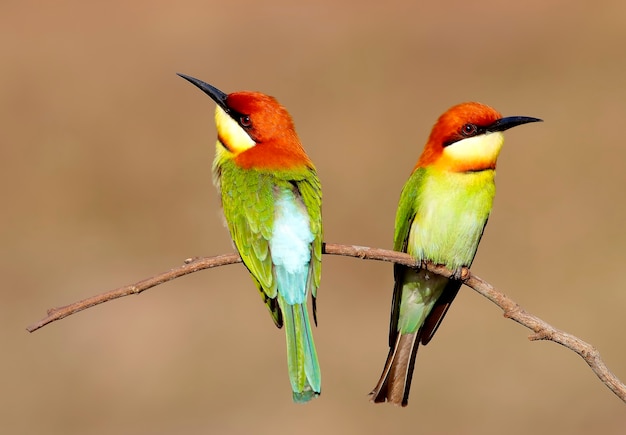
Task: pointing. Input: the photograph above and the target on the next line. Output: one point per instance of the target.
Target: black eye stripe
(466, 131)
(242, 119)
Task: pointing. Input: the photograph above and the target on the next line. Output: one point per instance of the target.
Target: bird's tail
(304, 368)
(395, 382)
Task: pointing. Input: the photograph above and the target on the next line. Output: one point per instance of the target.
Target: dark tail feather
(395, 382)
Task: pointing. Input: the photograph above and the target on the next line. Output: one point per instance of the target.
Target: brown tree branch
(541, 329)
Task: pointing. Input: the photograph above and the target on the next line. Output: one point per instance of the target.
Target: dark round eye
(245, 121)
(469, 130)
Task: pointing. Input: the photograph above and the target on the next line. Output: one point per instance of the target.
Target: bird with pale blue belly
(271, 198)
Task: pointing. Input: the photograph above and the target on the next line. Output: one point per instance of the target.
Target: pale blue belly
(290, 246)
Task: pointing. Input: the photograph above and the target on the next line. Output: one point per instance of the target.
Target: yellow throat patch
(231, 134)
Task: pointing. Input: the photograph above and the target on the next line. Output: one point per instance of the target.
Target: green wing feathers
(407, 208)
(251, 227)
(405, 214)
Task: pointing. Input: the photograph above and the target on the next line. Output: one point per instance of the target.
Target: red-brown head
(254, 129)
(468, 137)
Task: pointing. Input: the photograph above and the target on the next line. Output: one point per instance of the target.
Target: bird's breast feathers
(451, 212)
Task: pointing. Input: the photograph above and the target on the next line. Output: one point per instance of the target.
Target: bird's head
(468, 137)
(254, 129)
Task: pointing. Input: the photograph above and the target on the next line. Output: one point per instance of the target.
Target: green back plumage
(249, 200)
(271, 199)
(248, 197)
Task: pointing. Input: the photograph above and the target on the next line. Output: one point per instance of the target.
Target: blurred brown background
(106, 157)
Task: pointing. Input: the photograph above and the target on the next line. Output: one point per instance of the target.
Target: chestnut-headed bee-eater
(443, 210)
(271, 198)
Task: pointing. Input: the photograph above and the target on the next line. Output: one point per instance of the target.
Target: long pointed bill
(218, 96)
(510, 122)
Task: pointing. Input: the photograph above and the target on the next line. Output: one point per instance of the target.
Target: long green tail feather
(304, 369)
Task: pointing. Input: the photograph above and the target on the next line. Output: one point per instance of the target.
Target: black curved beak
(510, 122)
(216, 95)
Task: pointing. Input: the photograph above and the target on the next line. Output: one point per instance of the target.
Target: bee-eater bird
(441, 216)
(271, 198)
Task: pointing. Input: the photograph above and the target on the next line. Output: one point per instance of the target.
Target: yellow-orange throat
(472, 154)
(230, 134)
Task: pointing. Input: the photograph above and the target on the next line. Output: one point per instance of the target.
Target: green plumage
(249, 198)
(443, 210)
(440, 218)
(304, 371)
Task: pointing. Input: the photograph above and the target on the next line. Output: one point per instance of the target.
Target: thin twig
(541, 329)
(191, 265)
